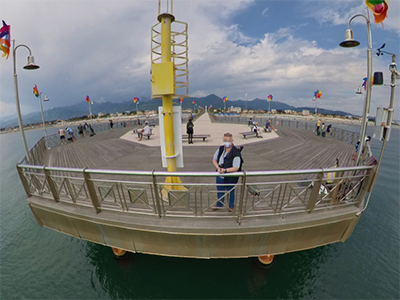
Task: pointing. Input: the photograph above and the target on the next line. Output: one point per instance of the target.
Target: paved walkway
(203, 125)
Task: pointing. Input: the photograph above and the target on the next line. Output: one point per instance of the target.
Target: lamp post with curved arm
(349, 42)
(29, 66)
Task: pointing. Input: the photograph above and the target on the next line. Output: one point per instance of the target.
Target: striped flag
(35, 91)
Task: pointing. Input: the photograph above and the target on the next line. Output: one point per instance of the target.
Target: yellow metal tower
(169, 78)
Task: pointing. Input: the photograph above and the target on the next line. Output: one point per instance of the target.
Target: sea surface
(39, 263)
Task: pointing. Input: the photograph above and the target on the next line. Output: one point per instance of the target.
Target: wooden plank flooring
(294, 149)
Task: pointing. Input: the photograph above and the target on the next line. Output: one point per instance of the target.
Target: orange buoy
(118, 252)
(266, 259)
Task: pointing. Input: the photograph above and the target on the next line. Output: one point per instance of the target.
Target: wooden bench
(197, 136)
(248, 133)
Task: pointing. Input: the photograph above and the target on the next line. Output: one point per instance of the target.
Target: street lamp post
(316, 107)
(246, 100)
(29, 66)
(349, 42)
(44, 123)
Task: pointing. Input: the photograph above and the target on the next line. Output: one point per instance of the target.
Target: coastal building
(233, 109)
(305, 112)
(101, 114)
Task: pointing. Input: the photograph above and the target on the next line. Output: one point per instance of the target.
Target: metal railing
(343, 135)
(258, 193)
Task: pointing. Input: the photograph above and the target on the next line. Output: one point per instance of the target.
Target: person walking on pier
(111, 125)
(80, 130)
(61, 132)
(190, 130)
(227, 159)
(318, 125)
(86, 128)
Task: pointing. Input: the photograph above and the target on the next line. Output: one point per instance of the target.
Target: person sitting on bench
(146, 131)
(257, 130)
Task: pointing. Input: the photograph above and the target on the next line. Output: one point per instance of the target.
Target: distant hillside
(73, 111)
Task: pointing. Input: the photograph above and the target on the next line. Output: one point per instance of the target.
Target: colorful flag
(225, 99)
(35, 91)
(136, 100)
(180, 100)
(194, 102)
(87, 99)
(317, 94)
(270, 97)
(379, 8)
(5, 39)
(365, 83)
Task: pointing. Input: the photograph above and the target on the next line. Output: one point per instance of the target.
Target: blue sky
(285, 48)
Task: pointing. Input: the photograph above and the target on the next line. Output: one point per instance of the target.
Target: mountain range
(74, 111)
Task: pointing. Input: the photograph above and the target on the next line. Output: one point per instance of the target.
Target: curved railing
(347, 136)
(257, 193)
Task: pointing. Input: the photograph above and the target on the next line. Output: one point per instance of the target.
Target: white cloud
(264, 13)
(103, 50)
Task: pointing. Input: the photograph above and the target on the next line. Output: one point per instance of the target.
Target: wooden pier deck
(293, 149)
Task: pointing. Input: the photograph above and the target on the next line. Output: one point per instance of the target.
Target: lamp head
(349, 40)
(359, 91)
(45, 98)
(31, 64)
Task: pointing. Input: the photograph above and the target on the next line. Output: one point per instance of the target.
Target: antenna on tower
(168, 8)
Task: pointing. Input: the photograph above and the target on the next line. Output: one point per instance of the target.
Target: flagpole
(90, 110)
(44, 123)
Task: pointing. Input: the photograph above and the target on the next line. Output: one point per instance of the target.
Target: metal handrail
(198, 174)
(143, 196)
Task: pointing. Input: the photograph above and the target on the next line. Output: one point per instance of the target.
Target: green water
(39, 263)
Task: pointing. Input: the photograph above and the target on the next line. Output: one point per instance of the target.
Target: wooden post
(24, 181)
(314, 193)
(92, 191)
(51, 184)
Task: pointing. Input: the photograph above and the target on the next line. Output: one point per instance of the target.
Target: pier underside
(198, 237)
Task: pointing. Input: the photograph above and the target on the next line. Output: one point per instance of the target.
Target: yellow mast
(164, 85)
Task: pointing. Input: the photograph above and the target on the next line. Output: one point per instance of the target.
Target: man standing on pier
(227, 159)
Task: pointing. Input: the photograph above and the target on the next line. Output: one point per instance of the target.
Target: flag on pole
(270, 97)
(379, 8)
(5, 39)
(194, 102)
(225, 99)
(180, 100)
(136, 100)
(317, 94)
(35, 91)
(87, 99)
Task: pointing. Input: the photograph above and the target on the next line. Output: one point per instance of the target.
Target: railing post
(334, 133)
(306, 125)
(51, 184)
(156, 195)
(352, 138)
(297, 124)
(240, 211)
(342, 136)
(315, 192)
(24, 181)
(92, 191)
